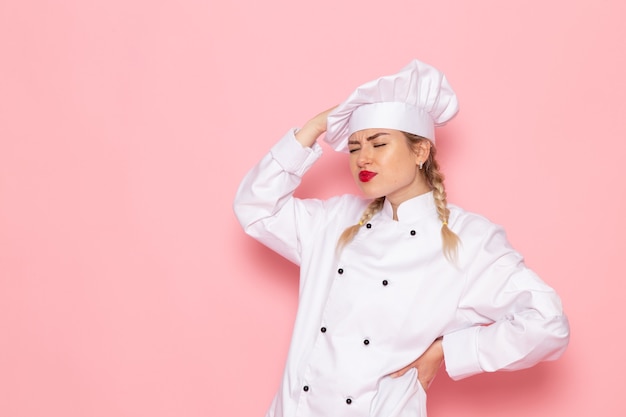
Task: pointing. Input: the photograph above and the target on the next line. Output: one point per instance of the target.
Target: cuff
(460, 352)
(292, 156)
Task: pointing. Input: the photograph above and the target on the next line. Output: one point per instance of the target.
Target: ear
(422, 151)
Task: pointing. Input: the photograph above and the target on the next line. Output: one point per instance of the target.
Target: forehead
(372, 133)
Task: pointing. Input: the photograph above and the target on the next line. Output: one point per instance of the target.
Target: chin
(370, 193)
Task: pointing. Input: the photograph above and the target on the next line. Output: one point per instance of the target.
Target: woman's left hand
(427, 365)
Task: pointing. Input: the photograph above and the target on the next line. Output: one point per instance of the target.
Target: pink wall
(128, 289)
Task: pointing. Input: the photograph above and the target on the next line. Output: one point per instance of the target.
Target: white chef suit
(380, 303)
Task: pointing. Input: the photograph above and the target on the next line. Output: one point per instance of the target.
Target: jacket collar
(413, 209)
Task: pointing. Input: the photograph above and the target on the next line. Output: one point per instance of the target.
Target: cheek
(404, 170)
(352, 163)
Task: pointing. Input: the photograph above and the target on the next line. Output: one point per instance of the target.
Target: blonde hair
(435, 179)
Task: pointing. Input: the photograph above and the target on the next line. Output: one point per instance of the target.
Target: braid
(435, 178)
(346, 237)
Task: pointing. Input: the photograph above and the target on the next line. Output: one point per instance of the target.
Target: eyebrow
(369, 138)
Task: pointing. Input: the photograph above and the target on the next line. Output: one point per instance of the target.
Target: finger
(400, 372)
(426, 380)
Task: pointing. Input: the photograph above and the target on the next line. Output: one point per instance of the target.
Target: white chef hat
(414, 100)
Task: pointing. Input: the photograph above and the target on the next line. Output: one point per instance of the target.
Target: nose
(364, 158)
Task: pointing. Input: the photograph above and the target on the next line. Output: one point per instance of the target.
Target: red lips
(366, 176)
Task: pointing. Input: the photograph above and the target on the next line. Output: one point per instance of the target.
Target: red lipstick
(366, 176)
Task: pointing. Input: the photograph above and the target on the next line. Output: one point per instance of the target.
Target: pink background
(127, 288)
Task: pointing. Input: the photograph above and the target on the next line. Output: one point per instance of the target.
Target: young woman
(396, 282)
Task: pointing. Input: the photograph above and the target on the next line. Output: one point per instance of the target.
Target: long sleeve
(517, 318)
(264, 203)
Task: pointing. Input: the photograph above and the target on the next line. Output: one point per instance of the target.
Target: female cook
(396, 282)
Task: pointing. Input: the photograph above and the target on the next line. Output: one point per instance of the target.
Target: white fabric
(493, 312)
(393, 116)
(414, 100)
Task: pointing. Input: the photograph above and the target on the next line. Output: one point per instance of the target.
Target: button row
(340, 271)
(369, 226)
(306, 389)
(365, 341)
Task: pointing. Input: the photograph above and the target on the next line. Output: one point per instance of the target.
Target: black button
(385, 282)
(323, 329)
(366, 342)
(369, 225)
(412, 232)
(348, 400)
(305, 388)
(340, 270)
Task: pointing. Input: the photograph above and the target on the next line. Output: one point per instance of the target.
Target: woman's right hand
(313, 129)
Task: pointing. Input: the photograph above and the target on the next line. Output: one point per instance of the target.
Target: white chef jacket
(379, 304)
